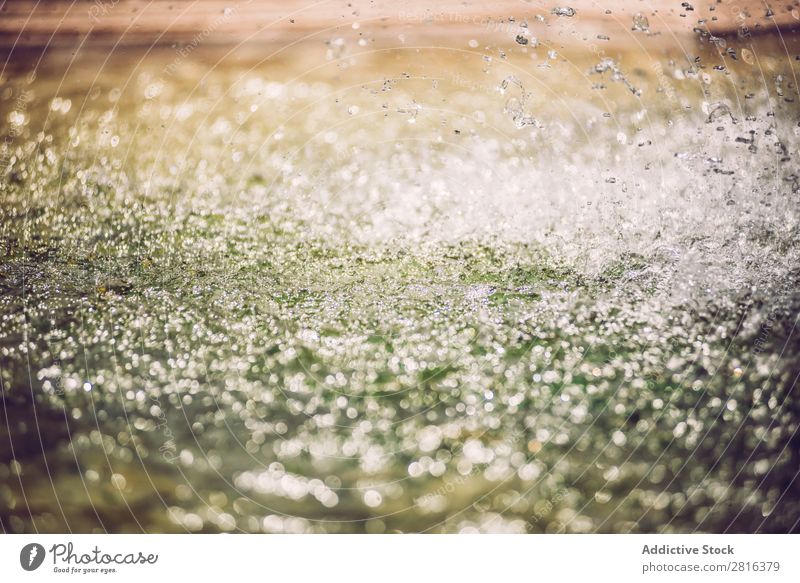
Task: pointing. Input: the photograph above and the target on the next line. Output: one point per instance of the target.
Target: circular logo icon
(31, 556)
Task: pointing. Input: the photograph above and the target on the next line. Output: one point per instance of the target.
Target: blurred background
(138, 22)
(369, 266)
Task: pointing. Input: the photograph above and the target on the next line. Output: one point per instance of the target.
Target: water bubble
(563, 11)
(372, 498)
(640, 23)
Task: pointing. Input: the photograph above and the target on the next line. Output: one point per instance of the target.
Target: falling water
(542, 294)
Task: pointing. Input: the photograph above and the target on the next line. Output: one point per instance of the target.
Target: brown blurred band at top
(36, 23)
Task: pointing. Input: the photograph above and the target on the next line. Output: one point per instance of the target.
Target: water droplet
(563, 11)
(372, 498)
(640, 23)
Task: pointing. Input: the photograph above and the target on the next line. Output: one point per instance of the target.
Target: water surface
(491, 289)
